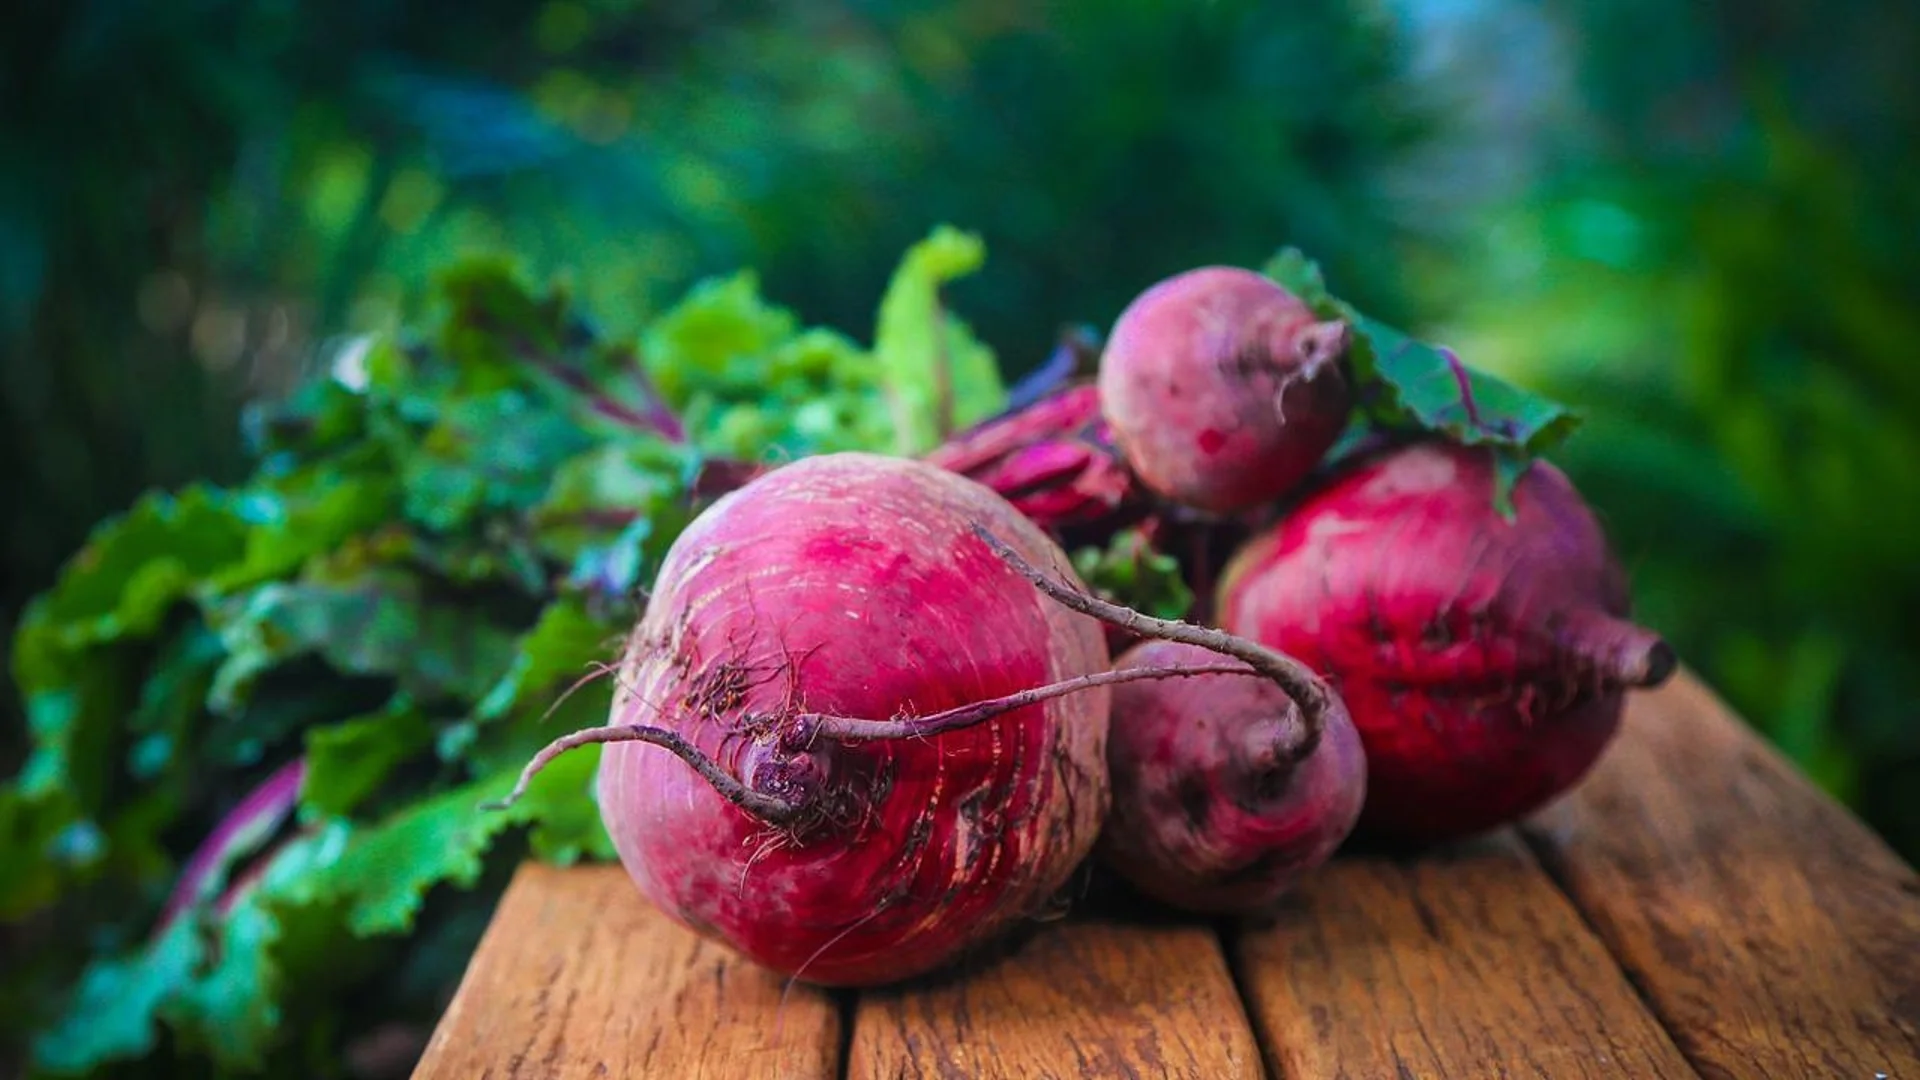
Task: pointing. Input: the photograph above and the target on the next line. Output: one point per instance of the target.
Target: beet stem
(1307, 689)
(1321, 343)
(765, 807)
(849, 728)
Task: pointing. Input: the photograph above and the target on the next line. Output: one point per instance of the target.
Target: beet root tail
(1623, 652)
(772, 810)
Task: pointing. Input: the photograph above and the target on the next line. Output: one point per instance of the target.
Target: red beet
(1215, 807)
(1483, 661)
(1223, 389)
(849, 585)
(897, 742)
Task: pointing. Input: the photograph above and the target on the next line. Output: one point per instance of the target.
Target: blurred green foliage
(264, 715)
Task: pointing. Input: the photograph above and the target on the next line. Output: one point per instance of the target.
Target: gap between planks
(1084, 997)
(1466, 962)
(1771, 931)
(578, 977)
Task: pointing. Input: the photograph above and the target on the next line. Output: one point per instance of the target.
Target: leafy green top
(439, 537)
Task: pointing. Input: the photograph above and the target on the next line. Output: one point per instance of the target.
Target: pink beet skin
(1211, 813)
(1223, 389)
(1484, 662)
(850, 585)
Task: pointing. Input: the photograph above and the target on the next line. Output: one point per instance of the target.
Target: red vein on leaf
(1464, 381)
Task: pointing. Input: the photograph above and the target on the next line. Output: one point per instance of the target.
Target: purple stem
(717, 476)
(657, 420)
(1463, 379)
(243, 829)
(667, 421)
(1068, 359)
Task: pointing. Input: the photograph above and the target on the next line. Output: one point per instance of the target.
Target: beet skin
(1213, 812)
(1223, 389)
(850, 585)
(1483, 661)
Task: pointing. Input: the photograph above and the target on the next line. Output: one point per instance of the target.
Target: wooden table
(1695, 908)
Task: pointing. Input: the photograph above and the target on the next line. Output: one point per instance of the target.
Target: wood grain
(577, 976)
(1081, 998)
(1465, 962)
(1771, 931)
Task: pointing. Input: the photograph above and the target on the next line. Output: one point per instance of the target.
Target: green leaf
(318, 416)
(486, 455)
(566, 817)
(76, 677)
(115, 1008)
(1430, 387)
(378, 623)
(33, 864)
(929, 360)
(132, 570)
(494, 323)
(1130, 571)
(308, 513)
(51, 830)
(567, 826)
(233, 1006)
(596, 496)
(1406, 384)
(385, 872)
(276, 941)
(219, 978)
(560, 649)
(717, 339)
(1300, 275)
(750, 382)
(497, 557)
(348, 761)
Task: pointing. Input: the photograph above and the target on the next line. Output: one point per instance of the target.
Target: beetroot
(1215, 809)
(1484, 660)
(1223, 389)
(897, 742)
(850, 585)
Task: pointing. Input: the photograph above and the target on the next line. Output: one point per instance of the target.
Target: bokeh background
(1698, 223)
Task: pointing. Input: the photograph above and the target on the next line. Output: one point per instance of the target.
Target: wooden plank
(1080, 998)
(1463, 962)
(1771, 931)
(577, 976)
